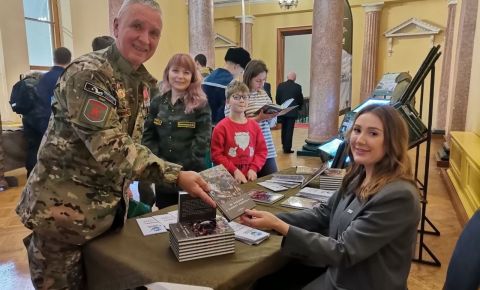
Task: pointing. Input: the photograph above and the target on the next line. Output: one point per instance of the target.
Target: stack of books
(300, 202)
(248, 235)
(280, 182)
(199, 232)
(332, 179)
(196, 240)
(318, 194)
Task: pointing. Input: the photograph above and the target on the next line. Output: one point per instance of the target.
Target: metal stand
(427, 67)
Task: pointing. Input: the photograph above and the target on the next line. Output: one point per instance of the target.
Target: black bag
(24, 95)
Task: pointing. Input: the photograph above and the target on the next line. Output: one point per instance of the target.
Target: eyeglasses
(238, 97)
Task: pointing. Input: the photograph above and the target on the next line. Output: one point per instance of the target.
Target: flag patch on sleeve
(94, 112)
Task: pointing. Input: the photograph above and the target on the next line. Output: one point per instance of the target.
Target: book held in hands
(230, 199)
(274, 108)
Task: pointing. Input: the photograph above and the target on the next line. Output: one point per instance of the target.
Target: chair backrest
(464, 268)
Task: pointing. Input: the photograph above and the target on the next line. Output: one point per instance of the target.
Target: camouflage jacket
(176, 136)
(91, 151)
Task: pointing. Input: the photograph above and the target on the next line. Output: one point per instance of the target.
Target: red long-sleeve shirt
(239, 146)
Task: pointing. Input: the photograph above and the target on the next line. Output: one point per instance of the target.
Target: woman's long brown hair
(394, 165)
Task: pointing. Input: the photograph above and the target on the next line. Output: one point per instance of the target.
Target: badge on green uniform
(185, 124)
(157, 121)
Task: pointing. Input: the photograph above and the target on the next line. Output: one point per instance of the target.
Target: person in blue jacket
(35, 122)
(214, 85)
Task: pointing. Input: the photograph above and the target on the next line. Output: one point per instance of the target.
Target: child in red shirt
(237, 142)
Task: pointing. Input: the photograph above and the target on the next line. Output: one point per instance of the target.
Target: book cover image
(191, 209)
(201, 229)
(305, 169)
(299, 202)
(314, 175)
(265, 196)
(335, 172)
(231, 200)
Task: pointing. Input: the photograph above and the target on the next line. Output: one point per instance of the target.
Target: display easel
(427, 67)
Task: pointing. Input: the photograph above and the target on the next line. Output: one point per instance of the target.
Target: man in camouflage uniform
(3, 181)
(91, 151)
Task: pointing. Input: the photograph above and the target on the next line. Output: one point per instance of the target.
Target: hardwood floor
(14, 272)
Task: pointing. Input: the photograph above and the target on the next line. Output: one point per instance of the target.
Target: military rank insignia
(157, 121)
(185, 124)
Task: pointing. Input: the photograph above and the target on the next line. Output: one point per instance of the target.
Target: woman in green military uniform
(178, 126)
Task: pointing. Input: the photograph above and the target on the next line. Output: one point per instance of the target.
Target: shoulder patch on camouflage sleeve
(93, 89)
(94, 112)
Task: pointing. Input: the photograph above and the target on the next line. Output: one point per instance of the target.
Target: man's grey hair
(150, 3)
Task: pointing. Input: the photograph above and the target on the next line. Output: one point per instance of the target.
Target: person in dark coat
(214, 85)
(35, 122)
(285, 91)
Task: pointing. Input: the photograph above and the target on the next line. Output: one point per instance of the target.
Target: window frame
(55, 30)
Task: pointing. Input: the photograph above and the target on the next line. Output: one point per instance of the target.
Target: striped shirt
(256, 101)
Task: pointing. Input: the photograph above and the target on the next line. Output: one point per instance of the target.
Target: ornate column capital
(373, 7)
(452, 2)
(248, 19)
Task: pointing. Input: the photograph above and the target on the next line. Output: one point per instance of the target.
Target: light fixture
(287, 4)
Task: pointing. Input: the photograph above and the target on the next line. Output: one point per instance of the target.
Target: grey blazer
(364, 245)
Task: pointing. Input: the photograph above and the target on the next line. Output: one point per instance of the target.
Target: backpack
(24, 95)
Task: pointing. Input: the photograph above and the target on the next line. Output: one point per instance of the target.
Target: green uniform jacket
(91, 151)
(176, 136)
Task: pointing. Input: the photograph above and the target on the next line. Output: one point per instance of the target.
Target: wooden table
(127, 259)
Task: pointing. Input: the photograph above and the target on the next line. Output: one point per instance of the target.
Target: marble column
(370, 48)
(327, 34)
(201, 35)
(463, 66)
(442, 104)
(248, 31)
(113, 7)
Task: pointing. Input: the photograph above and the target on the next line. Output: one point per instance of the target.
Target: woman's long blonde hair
(195, 97)
(394, 165)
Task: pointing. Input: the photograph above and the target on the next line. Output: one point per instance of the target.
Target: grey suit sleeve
(386, 216)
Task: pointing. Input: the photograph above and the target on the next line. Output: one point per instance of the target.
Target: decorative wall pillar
(248, 31)
(327, 34)
(442, 104)
(113, 7)
(370, 48)
(463, 66)
(201, 35)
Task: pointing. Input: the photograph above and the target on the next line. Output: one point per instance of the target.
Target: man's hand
(239, 177)
(264, 220)
(193, 183)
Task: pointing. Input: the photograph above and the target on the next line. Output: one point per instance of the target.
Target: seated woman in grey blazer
(364, 237)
